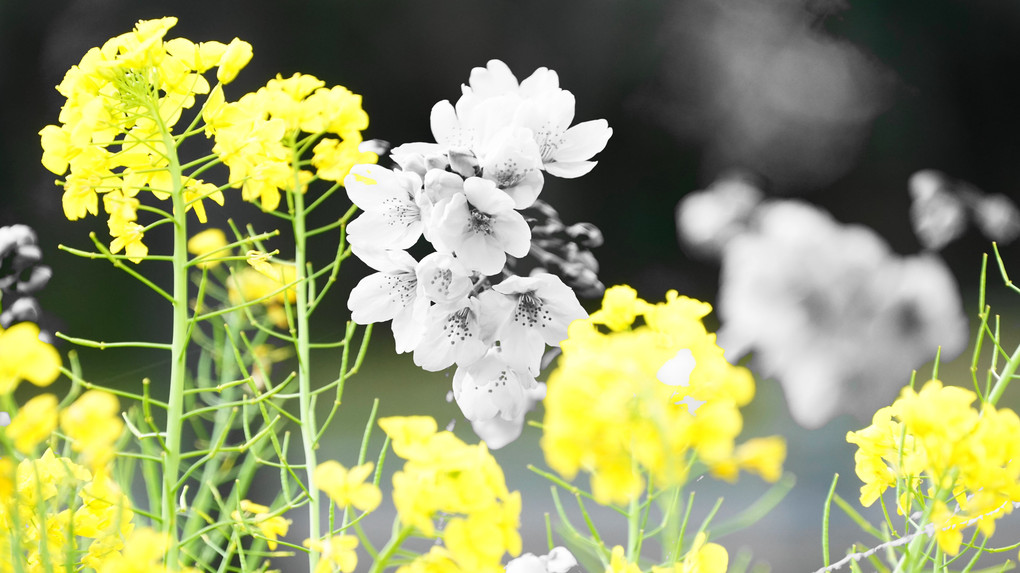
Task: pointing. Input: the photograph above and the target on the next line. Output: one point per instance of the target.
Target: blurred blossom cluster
(463, 304)
(21, 275)
(940, 209)
(824, 307)
(758, 83)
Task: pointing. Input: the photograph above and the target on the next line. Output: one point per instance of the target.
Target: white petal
(387, 261)
(449, 222)
(513, 233)
(377, 230)
(584, 140)
(369, 185)
(522, 347)
(527, 189)
(409, 325)
(486, 197)
(540, 82)
(677, 370)
(569, 169)
(482, 253)
(446, 127)
(492, 80)
(378, 297)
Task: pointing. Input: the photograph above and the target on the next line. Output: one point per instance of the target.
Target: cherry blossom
(459, 332)
(390, 294)
(391, 218)
(481, 227)
(542, 309)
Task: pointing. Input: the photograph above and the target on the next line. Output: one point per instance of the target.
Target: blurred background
(831, 101)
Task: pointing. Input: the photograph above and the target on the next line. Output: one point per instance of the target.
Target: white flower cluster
(826, 308)
(463, 194)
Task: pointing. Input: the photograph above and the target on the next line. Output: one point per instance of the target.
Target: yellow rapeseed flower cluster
(634, 398)
(443, 476)
(936, 437)
(54, 512)
(256, 135)
(123, 100)
(38, 510)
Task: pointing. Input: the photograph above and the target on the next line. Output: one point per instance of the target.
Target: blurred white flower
(759, 83)
(937, 215)
(559, 560)
(831, 312)
(998, 218)
(707, 220)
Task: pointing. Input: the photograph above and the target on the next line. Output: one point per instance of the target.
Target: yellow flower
(437, 560)
(206, 243)
(644, 398)
(93, 423)
(24, 357)
(260, 262)
(143, 552)
(129, 238)
(270, 526)
(408, 433)
(618, 563)
(763, 456)
(34, 423)
(197, 57)
(235, 57)
(337, 551)
(620, 306)
(333, 159)
(195, 191)
(348, 487)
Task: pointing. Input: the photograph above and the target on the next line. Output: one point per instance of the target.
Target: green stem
(381, 560)
(178, 354)
(305, 404)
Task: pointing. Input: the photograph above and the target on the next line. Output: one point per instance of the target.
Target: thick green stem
(178, 357)
(308, 426)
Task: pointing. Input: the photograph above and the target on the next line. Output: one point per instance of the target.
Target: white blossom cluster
(826, 308)
(463, 194)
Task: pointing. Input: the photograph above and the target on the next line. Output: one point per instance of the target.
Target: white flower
(559, 560)
(564, 150)
(459, 332)
(440, 187)
(420, 157)
(442, 278)
(495, 112)
(490, 387)
(831, 312)
(390, 294)
(511, 159)
(391, 218)
(542, 308)
(481, 227)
